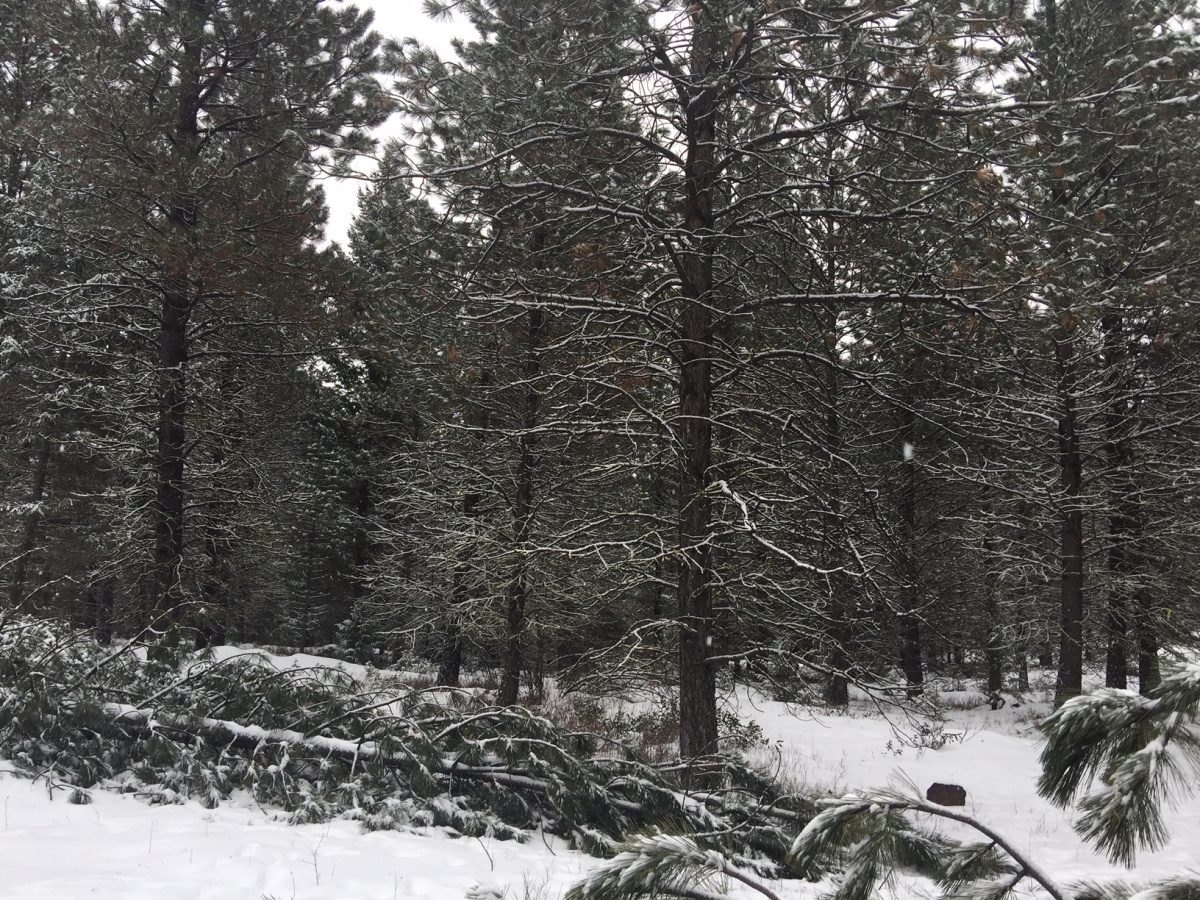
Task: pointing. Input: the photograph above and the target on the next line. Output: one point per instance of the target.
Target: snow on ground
(291, 661)
(119, 847)
(994, 755)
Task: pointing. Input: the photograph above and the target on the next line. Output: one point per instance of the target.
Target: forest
(827, 345)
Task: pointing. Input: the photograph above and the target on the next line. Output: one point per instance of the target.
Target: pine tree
(530, 325)
(188, 136)
(1101, 226)
(28, 56)
(727, 108)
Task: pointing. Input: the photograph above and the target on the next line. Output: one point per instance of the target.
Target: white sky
(393, 19)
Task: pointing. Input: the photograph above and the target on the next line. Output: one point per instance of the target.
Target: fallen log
(252, 738)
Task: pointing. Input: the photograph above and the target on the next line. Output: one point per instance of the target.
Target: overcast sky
(393, 19)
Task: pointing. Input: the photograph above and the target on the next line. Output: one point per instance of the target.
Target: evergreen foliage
(1122, 758)
(167, 723)
(346, 412)
(824, 346)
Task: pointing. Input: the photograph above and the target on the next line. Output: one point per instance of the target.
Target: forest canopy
(825, 344)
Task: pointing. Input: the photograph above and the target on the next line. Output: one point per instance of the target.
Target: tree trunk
(1125, 519)
(16, 589)
(1149, 674)
(450, 657)
(212, 617)
(839, 585)
(697, 678)
(450, 654)
(909, 622)
(1023, 668)
(98, 605)
(177, 305)
(993, 586)
(1070, 655)
(994, 648)
(523, 510)
(169, 504)
(102, 614)
(1116, 665)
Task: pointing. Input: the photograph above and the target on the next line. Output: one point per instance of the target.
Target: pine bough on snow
(168, 724)
(1128, 755)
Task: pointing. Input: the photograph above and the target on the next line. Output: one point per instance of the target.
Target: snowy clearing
(118, 846)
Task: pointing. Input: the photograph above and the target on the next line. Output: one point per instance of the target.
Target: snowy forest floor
(119, 847)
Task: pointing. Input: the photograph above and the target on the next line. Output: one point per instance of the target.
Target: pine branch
(660, 864)
(1130, 750)
(890, 842)
(252, 737)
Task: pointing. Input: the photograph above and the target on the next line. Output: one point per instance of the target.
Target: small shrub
(736, 734)
(926, 736)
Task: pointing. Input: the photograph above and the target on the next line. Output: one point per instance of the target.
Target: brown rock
(947, 794)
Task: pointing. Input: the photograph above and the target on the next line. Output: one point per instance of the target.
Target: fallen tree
(317, 743)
